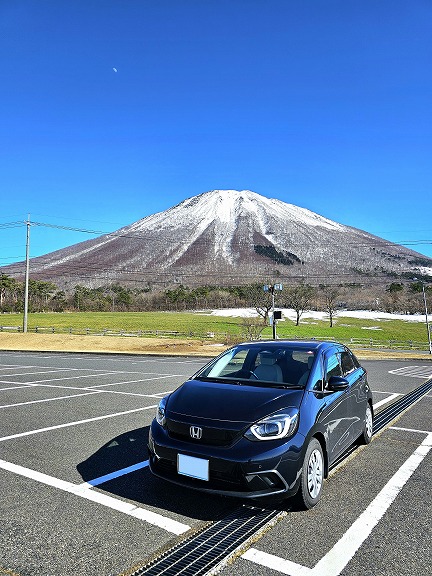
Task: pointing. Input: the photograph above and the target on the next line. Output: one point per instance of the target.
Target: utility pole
(26, 289)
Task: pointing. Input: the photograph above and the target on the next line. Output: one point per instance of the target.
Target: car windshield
(271, 365)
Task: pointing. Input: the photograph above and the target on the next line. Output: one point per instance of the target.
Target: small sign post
(276, 314)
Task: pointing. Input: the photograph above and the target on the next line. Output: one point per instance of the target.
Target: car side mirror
(337, 383)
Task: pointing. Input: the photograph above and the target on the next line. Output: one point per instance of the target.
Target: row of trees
(46, 296)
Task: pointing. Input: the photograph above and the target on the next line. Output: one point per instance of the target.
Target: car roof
(314, 345)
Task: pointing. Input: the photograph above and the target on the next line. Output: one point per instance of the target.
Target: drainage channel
(206, 552)
(391, 412)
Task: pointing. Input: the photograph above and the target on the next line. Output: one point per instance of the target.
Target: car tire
(312, 476)
(366, 435)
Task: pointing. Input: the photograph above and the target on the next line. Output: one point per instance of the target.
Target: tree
(260, 300)
(395, 287)
(394, 300)
(180, 294)
(299, 298)
(330, 295)
(6, 283)
(251, 329)
(58, 301)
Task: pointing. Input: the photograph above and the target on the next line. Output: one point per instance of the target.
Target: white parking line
(91, 389)
(70, 378)
(77, 423)
(140, 380)
(162, 394)
(411, 430)
(276, 563)
(50, 399)
(344, 550)
(84, 491)
(13, 387)
(12, 367)
(413, 371)
(386, 400)
(68, 369)
(72, 369)
(54, 371)
(94, 389)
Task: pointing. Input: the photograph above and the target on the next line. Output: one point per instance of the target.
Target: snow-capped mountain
(227, 237)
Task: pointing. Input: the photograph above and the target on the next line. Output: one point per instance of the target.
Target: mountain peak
(227, 237)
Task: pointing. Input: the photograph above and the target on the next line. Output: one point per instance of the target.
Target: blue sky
(116, 109)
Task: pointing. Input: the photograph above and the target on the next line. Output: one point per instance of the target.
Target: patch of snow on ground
(289, 314)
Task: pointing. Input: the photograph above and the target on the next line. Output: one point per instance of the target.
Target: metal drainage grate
(395, 409)
(200, 553)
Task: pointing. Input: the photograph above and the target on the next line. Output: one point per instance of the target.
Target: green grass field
(199, 324)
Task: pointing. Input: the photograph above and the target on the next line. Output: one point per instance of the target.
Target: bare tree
(299, 298)
(260, 300)
(330, 295)
(252, 328)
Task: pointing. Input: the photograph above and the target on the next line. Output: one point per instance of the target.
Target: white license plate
(193, 467)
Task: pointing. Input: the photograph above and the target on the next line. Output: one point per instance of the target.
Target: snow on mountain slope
(224, 210)
(226, 237)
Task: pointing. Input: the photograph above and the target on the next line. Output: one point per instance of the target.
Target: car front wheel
(368, 426)
(312, 475)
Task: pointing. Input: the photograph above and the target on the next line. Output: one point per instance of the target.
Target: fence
(217, 336)
(106, 332)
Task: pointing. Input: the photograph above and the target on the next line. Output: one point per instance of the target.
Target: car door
(356, 376)
(335, 414)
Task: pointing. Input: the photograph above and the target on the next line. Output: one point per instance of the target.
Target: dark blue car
(264, 418)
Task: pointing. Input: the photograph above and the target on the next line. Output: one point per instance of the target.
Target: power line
(155, 238)
(137, 236)
(16, 224)
(97, 270)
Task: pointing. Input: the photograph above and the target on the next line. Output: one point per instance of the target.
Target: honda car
(266, 418)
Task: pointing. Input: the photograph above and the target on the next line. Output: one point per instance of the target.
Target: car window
(332, 366)
(262, 363)
(229, 363)
(301, 356)
(347, 363)
(355, 361)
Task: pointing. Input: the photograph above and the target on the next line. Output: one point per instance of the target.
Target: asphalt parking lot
(78, 499)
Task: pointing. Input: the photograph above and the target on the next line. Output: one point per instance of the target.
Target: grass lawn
(199, 324)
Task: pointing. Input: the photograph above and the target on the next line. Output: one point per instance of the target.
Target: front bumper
(246, 469)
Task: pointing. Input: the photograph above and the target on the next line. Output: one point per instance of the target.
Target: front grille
(210, 436)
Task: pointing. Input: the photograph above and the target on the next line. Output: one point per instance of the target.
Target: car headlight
(160, 412)
(273, 427)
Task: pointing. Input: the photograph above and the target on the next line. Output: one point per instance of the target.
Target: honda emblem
(195, 432)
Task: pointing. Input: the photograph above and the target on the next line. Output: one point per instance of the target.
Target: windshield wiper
(248, 382)
(290, 386)
(284, 386)
(222, 380)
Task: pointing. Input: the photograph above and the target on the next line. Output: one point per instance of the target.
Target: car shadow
(141, 486)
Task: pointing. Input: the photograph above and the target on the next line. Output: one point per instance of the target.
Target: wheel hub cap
(315, 473)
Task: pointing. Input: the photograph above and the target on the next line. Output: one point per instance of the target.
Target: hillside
(228, 237)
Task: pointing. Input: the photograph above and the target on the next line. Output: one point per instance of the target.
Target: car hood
(216, 401)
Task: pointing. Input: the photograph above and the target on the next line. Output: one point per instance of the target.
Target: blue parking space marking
(58, 475)
(86, 491)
